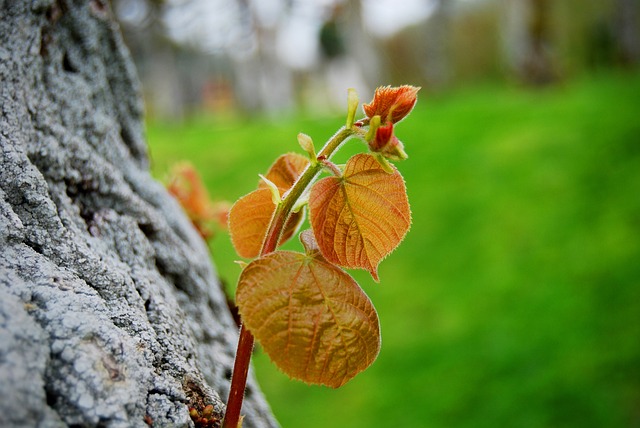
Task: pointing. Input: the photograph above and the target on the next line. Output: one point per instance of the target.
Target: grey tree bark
(110, 313)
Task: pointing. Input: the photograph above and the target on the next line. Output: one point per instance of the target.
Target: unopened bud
(352, 106)
(307, 145)
(387, 144)
(275, 192)
(392, 104)
(374, 123)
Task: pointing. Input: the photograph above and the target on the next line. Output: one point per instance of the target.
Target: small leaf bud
(374, 123)
(307, 145)
(352, 106)
(275, 193)
(387, 144)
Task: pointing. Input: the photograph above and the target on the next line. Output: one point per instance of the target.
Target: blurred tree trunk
(437, 67)
(110, 313)
(262, 81)
(528, 39)
(361, 47)
(627, 34)
(420, 54)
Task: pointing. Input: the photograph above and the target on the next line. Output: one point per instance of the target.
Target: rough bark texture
(110, 314)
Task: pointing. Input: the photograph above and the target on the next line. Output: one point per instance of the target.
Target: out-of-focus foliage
(185, 184)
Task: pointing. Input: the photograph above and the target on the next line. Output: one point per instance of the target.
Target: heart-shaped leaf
(286, 170)
(361, 217)
(311, 317)
(249, 217)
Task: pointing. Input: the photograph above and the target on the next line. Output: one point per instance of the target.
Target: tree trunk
(437, 35)
(110, 313)
(626, 22)
(528, 40)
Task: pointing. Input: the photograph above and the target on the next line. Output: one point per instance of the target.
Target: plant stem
(239, 378)
(279, 219)
(283, 210)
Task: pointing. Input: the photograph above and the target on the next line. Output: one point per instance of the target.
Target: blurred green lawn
(514, 301)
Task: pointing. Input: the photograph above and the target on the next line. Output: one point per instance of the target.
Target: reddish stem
(335, 170)
(245, 348)
(245, 344)
(239, 378)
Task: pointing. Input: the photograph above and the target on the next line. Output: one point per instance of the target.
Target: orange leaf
(285, 171)
(311, 317)
(250, 216)
(187, 186)
(361, 217)
(249, 219)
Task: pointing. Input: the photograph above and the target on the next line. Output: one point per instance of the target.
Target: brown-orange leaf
(311, 317)
(187, 186)
(250, 216)
(285, 171)
(249, 219)
(361, 217)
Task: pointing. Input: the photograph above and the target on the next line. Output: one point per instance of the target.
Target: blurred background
(515, 298)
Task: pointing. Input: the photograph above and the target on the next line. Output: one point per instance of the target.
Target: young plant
(312, 319)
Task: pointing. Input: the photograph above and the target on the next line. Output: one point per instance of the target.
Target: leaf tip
(241, 263)
(374, 274)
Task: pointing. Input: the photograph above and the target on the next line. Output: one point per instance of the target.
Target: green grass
(514, 301)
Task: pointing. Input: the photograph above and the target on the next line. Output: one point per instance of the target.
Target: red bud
(392, 104)
(387, 144)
